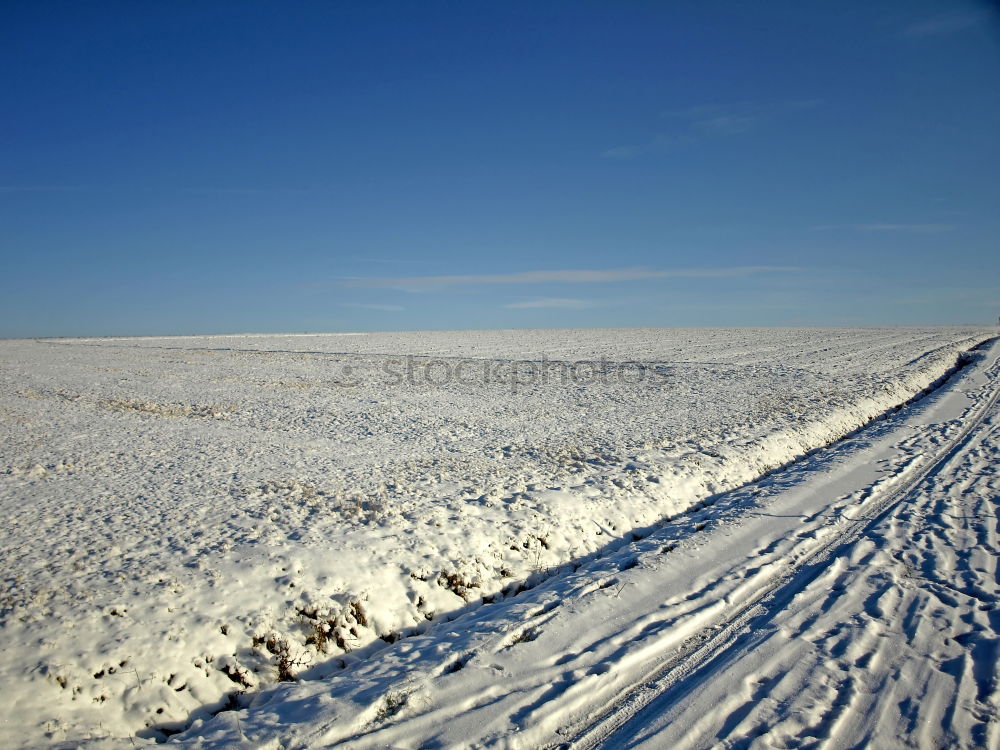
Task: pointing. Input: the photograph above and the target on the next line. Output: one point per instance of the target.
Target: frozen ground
(849, 600)
(189, 517)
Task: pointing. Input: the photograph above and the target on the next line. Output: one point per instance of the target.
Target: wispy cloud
(554, 302)
(906, 227)
(251, 190)
(918, 228)
(660, 144)
(373, 306)
(569, 276)
(719, 119)
(944, 24)
(387, 261)
(688, 125)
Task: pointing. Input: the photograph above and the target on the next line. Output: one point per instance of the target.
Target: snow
(194, 516)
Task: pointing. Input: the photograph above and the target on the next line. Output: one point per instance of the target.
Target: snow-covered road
(849, 599)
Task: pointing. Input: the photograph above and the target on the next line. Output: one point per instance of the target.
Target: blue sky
(234, 166)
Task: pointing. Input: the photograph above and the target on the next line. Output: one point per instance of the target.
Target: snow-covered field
(190, 517)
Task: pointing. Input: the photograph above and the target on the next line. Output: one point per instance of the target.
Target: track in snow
(953, 479)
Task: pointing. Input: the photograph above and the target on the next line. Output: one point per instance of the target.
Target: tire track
(743, 624)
